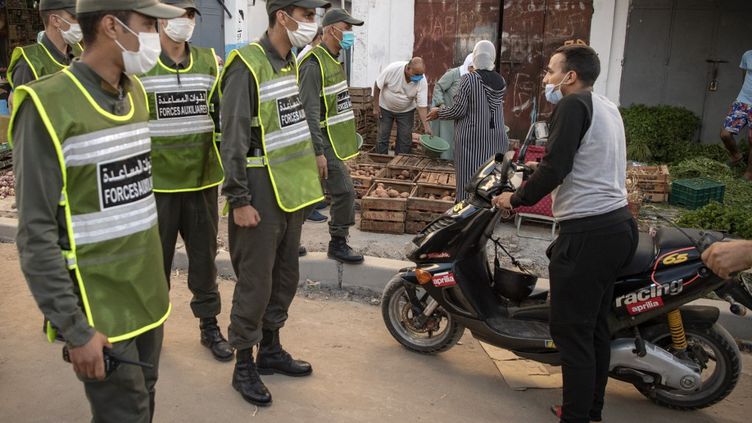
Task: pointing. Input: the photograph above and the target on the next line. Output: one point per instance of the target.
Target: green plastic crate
(696, 192)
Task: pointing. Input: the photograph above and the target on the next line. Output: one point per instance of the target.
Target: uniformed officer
(59, 45)
(271, 177)
(183, 94)
(87, 235)
(326, 98)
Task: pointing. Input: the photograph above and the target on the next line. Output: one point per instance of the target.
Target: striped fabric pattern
(476, 139)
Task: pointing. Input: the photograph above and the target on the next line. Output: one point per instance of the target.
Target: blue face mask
(348, 39)
(416, 78)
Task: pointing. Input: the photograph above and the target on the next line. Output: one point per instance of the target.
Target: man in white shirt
(399, 89)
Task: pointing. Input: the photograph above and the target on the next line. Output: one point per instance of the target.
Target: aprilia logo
(644, 306)
(441, 280)
(653, 291)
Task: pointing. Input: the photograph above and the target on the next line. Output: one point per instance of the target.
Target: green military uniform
(325, 95)
(34, 61)
(187, 167)
(88, 240)
(269, 163)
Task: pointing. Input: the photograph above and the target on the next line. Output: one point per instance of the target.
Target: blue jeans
(405, 123)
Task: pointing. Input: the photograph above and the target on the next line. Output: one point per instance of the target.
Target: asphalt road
(361, 374)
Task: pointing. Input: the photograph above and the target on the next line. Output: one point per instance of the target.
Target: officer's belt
(256, 158)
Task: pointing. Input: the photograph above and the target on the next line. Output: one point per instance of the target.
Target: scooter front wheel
(403, 306)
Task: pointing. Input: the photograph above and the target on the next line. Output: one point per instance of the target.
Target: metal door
(446, 31)
(686, 53)
(532, 30)
(210, 26)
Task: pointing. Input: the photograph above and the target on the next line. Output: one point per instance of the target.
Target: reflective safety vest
(111, 215)
(339, 121)
(287, 146)
(184, 154)
(40, 60)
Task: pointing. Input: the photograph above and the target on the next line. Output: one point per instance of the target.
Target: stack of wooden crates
(423, 186)
(654, 182)
(365, 123)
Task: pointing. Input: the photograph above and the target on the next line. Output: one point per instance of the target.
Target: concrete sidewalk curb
(375, 273)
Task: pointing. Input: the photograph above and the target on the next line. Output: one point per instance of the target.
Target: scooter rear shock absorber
(676, 326)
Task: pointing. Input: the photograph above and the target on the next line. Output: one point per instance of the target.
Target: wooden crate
(437, 178)
(383, 159)
(400, 175)
(408, 162)
(653, 181)
(440, 165)
(386, 215)
(422, 211)
(382, 227)
(362, 183)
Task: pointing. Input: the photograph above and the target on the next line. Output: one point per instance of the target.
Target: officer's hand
(88, 360)
(503, 201)
(246, 217)
(725, 258)
(377, 112)
(532, 165)
(323, 169)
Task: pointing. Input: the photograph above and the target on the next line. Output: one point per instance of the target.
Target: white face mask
(73, 35)
(305, 33)
(143, 60)
(553, 91)
(180, 30)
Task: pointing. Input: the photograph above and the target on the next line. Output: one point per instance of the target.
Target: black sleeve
(568, 125)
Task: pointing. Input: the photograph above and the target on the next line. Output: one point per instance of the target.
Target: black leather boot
(272, 358)
(246, 380)
(340, 251)
(302, 251)
(212, 338)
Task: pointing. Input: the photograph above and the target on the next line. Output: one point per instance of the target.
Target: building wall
(608, 33)
(386, 37)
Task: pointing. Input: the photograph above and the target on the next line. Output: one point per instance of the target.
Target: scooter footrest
(525, 329)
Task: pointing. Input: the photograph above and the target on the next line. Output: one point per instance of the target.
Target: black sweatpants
(583, 270)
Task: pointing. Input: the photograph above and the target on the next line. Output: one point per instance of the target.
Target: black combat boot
(272, 358)
(246, 380)
(340, 251)
(302, 251)
(212, 338)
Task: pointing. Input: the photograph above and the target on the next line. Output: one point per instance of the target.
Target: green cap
(150, 8)
(67, 5)
(274, 5)
(336, 14)
(183, 4)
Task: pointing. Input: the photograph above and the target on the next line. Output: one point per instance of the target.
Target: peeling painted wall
(386, 37)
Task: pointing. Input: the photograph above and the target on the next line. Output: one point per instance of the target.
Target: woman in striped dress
(479, 114)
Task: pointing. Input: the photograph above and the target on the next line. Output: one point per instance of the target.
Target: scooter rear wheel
(438, 333)
(715, 350)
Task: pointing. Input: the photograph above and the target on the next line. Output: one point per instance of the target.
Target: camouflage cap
(274, 5)
(67, 5)
(336, 14)
(151, 8)
(183, 4)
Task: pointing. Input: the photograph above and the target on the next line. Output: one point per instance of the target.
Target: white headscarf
(464, 69)
(484, 55)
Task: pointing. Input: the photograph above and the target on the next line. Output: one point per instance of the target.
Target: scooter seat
(642, 259)
(667, 239)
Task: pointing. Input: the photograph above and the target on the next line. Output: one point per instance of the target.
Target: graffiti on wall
(447, 30)
(532, 30)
